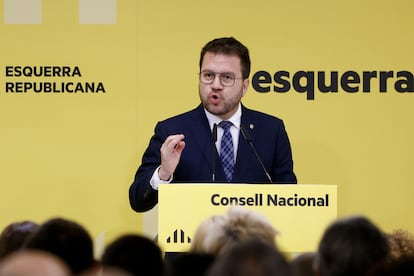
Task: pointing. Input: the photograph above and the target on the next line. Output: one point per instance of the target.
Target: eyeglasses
(226, 78)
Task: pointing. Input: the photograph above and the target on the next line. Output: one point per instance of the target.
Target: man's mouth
(214, 98)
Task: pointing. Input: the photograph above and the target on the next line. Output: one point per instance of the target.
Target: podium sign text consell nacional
(299, 212)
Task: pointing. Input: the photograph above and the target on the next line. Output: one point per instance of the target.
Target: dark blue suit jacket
(268, 136)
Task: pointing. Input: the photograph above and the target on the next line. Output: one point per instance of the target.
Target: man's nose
(217, 82)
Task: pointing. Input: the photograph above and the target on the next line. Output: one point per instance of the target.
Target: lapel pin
(251, 126)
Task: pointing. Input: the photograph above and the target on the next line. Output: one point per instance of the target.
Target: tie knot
(225, 125)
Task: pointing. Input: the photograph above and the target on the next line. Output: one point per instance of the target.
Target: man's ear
(245, 86)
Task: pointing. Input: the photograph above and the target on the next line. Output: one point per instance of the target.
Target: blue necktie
(227, 150)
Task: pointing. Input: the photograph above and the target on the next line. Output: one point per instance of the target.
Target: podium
(300, 212)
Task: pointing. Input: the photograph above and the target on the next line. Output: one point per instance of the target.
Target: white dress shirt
(212, 119)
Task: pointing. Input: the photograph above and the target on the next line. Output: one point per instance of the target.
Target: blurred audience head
(190, 264)
(401, 244)
(66, 239)
(13, 236)
(404, 266)
(134, 254)
(218, 232)
(33, 263)
(302, 264)
(252, 257)
(351, 246)
(401, 257)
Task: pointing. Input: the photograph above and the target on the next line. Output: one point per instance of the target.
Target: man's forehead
(221, 59)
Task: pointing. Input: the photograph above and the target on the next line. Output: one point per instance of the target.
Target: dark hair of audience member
(13, 236)
(190, 264)
(401, 257)
(251, 257)
(135, 254)
(351, 246)
(402, 267)
(302, 264)
(66, 239)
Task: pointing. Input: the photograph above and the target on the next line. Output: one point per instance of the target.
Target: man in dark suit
(188, 147)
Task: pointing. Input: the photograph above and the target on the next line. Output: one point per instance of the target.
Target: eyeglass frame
(220, 77)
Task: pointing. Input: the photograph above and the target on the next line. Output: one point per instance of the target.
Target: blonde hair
(401, 243)
(219, 232)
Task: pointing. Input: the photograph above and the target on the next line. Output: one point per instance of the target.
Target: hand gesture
(170, 155)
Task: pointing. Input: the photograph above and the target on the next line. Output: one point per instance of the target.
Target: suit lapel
(201, 132)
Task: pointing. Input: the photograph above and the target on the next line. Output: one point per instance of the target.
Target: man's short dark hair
(134, 254)
(229, 46)
(351, 246)
(66, 239)
(250, 257)
(13, 236)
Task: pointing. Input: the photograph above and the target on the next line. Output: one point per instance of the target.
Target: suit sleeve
(142, 196)
(283, 167)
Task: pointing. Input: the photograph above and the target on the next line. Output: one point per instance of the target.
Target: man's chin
(215, 109)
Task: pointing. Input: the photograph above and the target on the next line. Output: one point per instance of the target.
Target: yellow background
(75, 155)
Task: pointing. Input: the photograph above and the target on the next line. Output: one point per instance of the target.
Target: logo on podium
(178, 236)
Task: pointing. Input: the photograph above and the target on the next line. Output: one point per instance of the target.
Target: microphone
(250, 142)
(213, 143)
